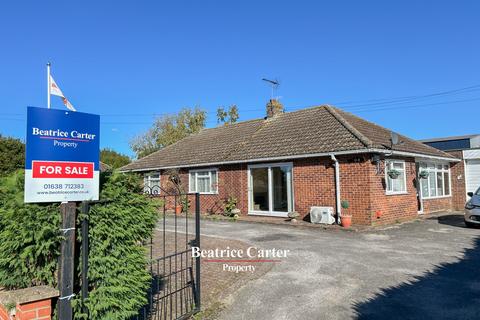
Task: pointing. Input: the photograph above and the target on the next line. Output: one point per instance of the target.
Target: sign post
(62, 165)
(67, 257)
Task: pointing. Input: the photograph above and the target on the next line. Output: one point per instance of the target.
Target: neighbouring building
(466, 148)
(312, 157)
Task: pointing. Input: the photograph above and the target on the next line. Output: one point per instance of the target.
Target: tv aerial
(274, 85)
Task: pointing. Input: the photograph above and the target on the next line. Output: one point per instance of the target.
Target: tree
(12, 155)
(233, 113)
(169, 129)
(226, 117)
(113, 158)
(221, 115)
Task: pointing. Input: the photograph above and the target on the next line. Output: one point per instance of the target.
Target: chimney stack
(274, 107)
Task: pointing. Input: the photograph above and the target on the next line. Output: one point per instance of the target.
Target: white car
(472, 209)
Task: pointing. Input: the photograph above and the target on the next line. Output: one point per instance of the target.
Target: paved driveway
(422, 270)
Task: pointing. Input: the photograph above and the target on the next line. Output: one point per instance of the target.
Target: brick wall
(355, 185)
(232, 181)
(4, 314)
(362, 185)
(36, 310)
(391, 208)
(459, 191)
(436, 205)
(313, 184)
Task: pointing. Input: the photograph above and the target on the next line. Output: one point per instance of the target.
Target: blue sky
(129, 60)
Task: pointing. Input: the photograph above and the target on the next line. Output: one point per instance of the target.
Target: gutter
(415, 155)
(337, 189)
(312, 155)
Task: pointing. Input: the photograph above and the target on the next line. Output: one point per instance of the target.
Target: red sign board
(62, 169)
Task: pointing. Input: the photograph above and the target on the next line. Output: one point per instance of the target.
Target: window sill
(396, 193)
(434, 198)
(268, 213)
(210, 193)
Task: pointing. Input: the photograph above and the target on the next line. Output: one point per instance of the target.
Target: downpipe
(337, 189)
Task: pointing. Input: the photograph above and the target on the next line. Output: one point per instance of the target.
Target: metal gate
(175, 288)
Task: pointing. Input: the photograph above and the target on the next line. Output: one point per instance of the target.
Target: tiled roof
(104, 167)
(321, 129)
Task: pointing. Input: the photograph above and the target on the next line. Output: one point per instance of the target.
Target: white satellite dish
(394, 137)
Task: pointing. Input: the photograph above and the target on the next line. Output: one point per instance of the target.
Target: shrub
(118, 275)
(230, 204)
(12, 155)
(29, 238)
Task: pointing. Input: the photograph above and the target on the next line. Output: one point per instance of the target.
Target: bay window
(203, 181)
(437, 183)
(399, 184)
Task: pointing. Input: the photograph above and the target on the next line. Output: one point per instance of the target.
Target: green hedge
(117, 261)
(118, 276)
(29, 238)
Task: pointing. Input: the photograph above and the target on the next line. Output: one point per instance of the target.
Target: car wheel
(469, 224)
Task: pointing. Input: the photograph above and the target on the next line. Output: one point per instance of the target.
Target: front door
(270, 189)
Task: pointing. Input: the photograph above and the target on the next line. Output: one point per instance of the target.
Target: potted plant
(293, 216)
(346, 218)
(183, 206)
(175, 184)
(423, 174)
(178, 209)
(393, 173)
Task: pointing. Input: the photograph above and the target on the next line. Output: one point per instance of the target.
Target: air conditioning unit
(322, 215)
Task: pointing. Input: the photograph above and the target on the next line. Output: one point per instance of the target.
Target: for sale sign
(62, 160)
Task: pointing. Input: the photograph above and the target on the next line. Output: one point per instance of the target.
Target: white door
(472, 174)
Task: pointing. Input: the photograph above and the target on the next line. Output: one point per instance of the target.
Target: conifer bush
(118, 275)
(29, 238)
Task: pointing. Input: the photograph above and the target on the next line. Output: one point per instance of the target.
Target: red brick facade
(36, 310)
(458, 182)
(362, 184)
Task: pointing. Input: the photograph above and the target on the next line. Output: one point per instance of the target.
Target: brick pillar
(30, 303)
(4, 313)
(34, 310)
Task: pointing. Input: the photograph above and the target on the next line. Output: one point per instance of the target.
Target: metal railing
(175, 287)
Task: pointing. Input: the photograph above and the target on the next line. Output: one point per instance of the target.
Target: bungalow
(291, 161)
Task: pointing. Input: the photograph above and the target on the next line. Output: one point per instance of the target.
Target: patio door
(270, 189)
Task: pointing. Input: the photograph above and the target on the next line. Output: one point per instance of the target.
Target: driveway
(427, 269)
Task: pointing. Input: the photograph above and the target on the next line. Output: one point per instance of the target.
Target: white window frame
(434, 172)
(390, 192)
(195, 176)
(147, 180)
(290, 190)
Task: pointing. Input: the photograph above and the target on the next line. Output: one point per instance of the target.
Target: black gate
(175, 289)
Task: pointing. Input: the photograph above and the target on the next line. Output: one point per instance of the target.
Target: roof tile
(321, 129)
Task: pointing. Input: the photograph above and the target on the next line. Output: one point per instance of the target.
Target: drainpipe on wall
(337, 188)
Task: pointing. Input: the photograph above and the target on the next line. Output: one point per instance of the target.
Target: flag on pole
(55, 90)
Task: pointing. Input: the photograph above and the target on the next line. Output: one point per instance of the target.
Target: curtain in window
(203, 181)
